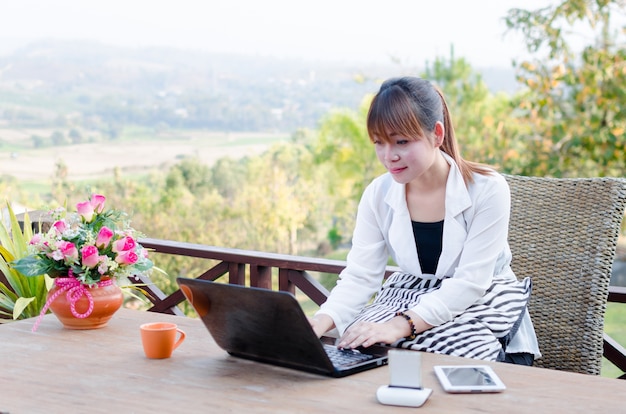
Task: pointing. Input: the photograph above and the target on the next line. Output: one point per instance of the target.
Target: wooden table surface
(55, 370)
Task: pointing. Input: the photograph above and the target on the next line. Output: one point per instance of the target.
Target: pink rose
(124, 244)
(90, 256)
(127, 257)
(60, 226)
(97, 202)
(85, 210)
(68, 251)
(104, 237)
(36, 239)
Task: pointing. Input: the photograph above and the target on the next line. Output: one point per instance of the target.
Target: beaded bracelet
(411, 324)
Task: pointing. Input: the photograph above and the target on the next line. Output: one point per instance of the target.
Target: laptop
(270, 326)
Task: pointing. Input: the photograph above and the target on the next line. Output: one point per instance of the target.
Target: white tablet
(468, 378)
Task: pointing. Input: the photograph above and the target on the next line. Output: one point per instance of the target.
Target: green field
(137, 152)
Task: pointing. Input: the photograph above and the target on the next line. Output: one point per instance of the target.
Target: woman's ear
(439, 131)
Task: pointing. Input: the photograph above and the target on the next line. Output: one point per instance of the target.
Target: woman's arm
(366, 263)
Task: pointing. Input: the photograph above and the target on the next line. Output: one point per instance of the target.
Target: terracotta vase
(106, 301)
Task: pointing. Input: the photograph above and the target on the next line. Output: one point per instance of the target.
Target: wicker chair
(563, 234)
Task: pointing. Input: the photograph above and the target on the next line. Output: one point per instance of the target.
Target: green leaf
(7, 302)
(30, 266)
(20, 305)
(146, 264)
(8, 256)
(23, 296)
(5, 292)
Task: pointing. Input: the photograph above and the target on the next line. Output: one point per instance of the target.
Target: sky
(412, 31)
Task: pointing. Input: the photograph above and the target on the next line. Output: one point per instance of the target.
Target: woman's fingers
(362, 334)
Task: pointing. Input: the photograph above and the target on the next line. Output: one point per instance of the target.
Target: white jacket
(474, 249)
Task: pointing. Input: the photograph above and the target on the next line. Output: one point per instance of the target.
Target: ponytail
(450, 147)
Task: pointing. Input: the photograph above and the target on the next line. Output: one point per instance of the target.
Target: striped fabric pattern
(479, 332)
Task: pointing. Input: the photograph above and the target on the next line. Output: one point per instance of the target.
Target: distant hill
(95, 86)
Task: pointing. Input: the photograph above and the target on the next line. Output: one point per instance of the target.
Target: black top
(428, 239)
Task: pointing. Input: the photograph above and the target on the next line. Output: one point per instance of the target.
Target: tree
(195, 175)
(480, 118)
(575, 105)
(61, 187)
(280, 200)
(38, 141)
(226, 176)
(345, 154)
(58, 138)
(75, 136)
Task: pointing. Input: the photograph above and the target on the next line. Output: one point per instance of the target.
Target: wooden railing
(292, 274)
(613, 351)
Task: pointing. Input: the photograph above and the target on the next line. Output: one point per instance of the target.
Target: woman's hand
(369, 333)
(321, 324)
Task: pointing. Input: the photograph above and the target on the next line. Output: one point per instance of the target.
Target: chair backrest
(563, 234)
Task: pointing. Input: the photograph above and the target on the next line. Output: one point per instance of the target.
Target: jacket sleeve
(366, 263)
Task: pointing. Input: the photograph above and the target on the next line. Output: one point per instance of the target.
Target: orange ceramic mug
(159, 339)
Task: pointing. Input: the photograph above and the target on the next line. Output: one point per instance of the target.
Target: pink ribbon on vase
(74, 289)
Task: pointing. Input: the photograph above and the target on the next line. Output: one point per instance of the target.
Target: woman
(444, 221)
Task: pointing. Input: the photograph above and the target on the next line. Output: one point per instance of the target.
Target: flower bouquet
(83, 251)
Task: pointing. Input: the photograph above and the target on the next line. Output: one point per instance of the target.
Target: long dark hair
(411, 106)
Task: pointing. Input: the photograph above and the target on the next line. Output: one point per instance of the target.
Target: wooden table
(55, 370)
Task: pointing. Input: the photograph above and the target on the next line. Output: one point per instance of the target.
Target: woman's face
(407, 159)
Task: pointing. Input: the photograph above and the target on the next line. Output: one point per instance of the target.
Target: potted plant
(21, 297)
(87, 253)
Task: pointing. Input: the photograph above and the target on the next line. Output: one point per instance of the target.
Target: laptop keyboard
(345, 357)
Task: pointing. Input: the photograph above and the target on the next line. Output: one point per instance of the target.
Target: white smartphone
(468, 378)
(405, 368)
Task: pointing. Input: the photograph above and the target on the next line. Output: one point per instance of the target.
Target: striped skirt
(481, 331)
